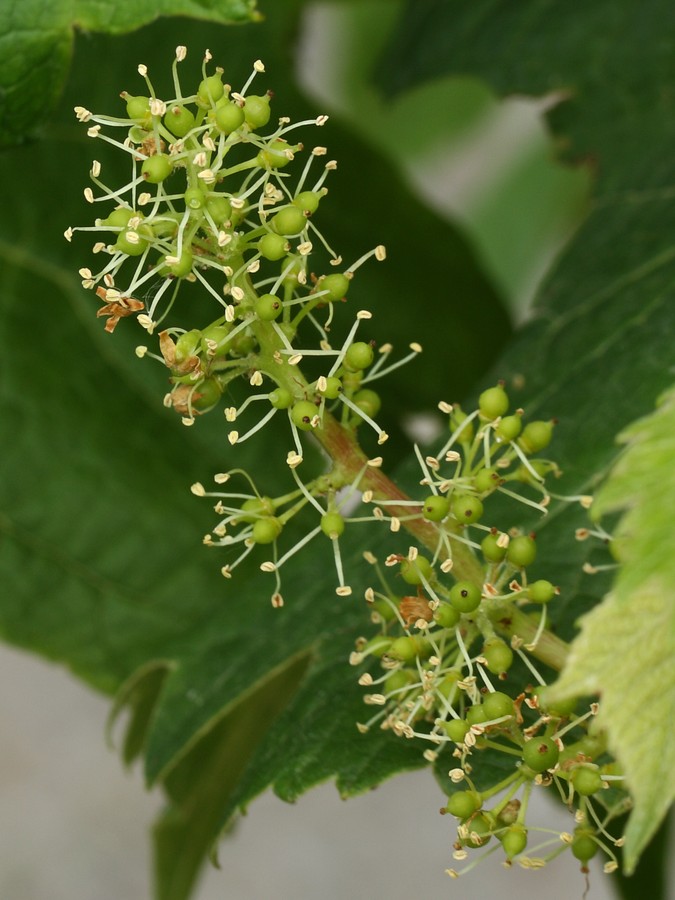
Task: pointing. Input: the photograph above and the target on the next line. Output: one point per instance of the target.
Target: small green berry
(480, 828)
(447, 616)
(266, 530)
(466, 508)
(156, 168)
(210, 90)
(406, 648)
(119, 218)
(335, 286)
(333, 388)
(464, 804)
(166, 224)
(368, 401)
(242, 344)
(561, 709)
(377, 646)
(536, 436)
(508, 429)
(491, 549)
(386, 611)
(522, 551)
(206, 394)
(256, 508)
(476, 715)
(465, 596)
(416, 571)
(302, 414)
(280, 398)
(497, 704)
(292, 266)
(493, 402)
(498, 656)
(179, 120)
(514, 840)
(257, 111)
(398, 680)
(229, 117)
(277, 155)
(584, 847)
(487, 480)
(289, 221)
(187, 345)
(541, 591)
(125, 244)
(586, 779)
(138, 108)
(540, 754)
(268, 307)
(195, 198)
(308, 201)
(435, 508)
(359, 356)
(332, 525)
(273, 246)
(456, 729)
(214, 340)
(181, 267)
(219, 208)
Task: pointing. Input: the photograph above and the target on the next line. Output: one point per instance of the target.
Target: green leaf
(424, 129)
(200, 785)
(626, 648)
(36, 43)
(137, 697)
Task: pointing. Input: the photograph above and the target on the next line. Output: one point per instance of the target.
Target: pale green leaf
(626, 648)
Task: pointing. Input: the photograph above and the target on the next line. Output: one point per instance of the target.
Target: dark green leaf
(137, 698)
(201, 783)
(652, 874)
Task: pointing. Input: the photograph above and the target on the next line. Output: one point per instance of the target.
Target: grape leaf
(422, 129)
(629, 639)
(200, 785)
(36, 46)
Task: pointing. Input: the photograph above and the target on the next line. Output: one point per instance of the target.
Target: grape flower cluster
(455, 662)
(457, 654)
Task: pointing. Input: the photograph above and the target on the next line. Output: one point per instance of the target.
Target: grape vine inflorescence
(461, 628)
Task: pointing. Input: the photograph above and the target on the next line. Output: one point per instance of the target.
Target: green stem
(550, 649)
